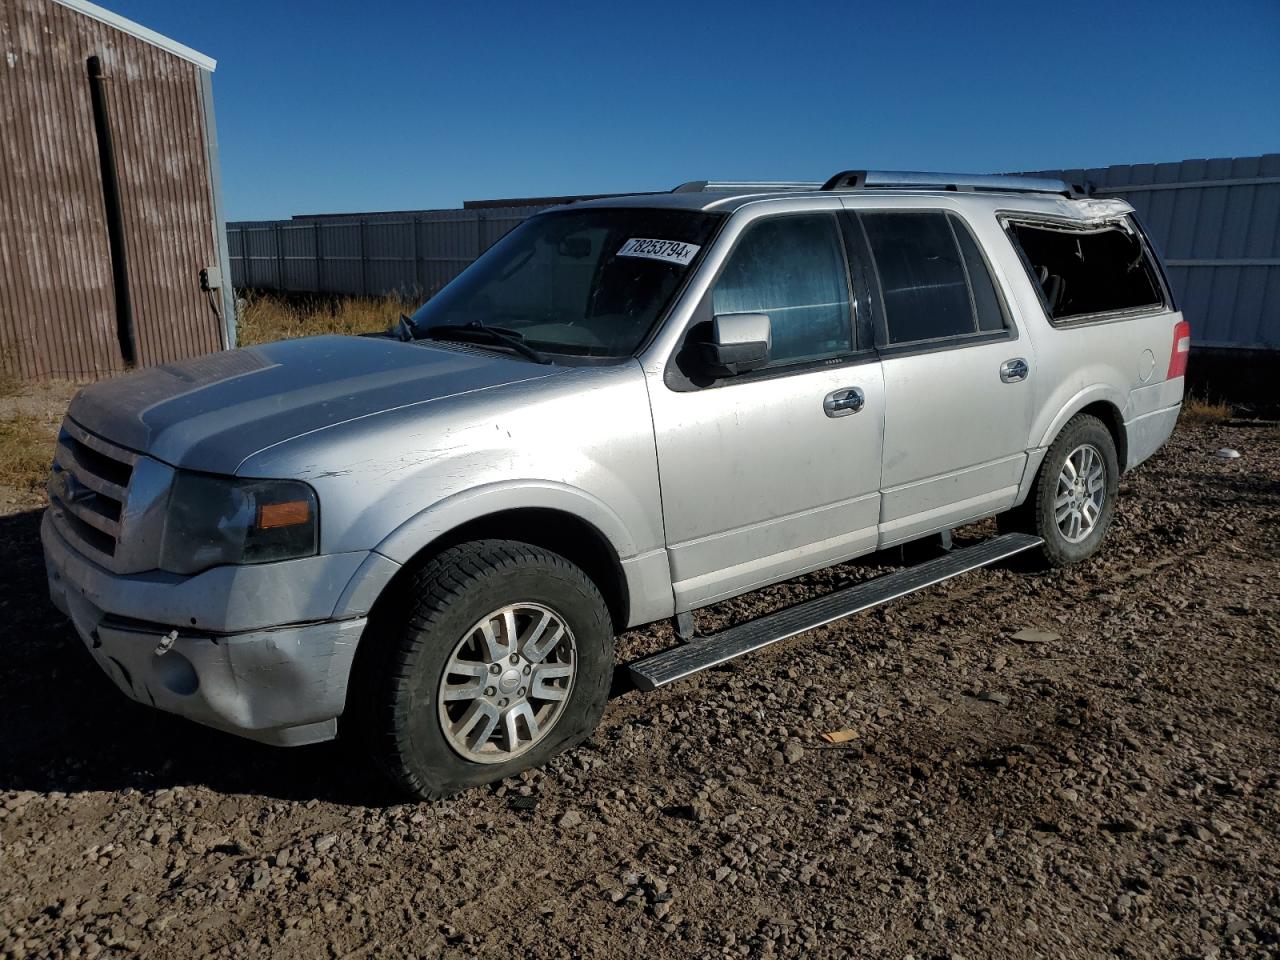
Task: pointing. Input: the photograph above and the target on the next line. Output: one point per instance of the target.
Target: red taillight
(1181, 348)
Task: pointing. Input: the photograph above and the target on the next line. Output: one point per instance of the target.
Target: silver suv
(625, 410)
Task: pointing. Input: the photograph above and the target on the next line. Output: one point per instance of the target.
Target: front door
(956, 376)
(771, 473)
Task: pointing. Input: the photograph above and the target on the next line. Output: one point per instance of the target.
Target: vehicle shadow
(67, 728)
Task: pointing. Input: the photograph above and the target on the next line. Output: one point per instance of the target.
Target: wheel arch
(572, 537)
(1113, 420)
(1105, 403)
(553, 516)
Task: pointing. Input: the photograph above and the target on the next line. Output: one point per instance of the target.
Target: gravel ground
(1073, 764)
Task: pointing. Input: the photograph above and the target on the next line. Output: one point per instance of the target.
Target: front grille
(89, 489)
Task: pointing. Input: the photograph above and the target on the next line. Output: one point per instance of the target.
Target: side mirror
(739, 342)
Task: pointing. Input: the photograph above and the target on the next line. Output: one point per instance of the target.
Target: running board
(676, 663)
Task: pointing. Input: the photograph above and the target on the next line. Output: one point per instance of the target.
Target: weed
(1197, 409)
(264, 319)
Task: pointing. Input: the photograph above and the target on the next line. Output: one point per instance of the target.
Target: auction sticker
(671, 251)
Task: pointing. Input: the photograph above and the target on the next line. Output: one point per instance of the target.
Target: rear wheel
(1072, 501)
(496, 656)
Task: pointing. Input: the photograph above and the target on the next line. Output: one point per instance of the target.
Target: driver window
(793, 269)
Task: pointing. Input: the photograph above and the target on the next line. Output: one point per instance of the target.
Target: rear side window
(934, 281)
(1086, 272)
(791, 268)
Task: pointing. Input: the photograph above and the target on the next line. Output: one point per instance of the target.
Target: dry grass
(1197, 409)
(264, 319)
(26, 450)
(10, 382)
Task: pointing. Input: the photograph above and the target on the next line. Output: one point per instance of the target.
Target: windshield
(586, 282)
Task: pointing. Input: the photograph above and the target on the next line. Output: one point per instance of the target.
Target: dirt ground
(1104, 785)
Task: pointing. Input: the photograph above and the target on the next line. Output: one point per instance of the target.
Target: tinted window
(921, 276)
(985, 300)
(793, 269)
(1089, 271)
(933, 279)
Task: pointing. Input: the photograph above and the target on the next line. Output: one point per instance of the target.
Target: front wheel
(1072, 501)
(496, 657)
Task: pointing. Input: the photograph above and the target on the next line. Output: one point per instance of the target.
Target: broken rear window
(1092, 270)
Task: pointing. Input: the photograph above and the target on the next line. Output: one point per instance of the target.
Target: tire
(432, 627)
(1039, 514)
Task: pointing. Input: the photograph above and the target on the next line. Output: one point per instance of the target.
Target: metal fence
(1216, 222)
(413, 255)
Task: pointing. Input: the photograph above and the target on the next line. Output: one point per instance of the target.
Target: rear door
(762, 476)
(957, 376)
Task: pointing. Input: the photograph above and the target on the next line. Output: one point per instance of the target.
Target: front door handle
(842, 402)
(1015, 370)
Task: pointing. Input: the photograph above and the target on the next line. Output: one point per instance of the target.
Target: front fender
(433, 522)
(452, 512)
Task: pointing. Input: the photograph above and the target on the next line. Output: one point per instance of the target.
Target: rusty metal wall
(57, 315)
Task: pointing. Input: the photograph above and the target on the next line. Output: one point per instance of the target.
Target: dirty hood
(214, 412)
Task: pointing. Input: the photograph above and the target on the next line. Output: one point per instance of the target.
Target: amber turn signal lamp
(272, 516)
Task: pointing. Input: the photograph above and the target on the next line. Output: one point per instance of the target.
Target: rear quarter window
(1089, 272)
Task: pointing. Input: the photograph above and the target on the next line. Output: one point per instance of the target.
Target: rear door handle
(1012, 371)
(842, 402)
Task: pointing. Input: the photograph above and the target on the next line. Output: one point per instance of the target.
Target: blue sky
(327, 106)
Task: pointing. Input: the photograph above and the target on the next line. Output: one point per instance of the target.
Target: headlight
(216, 520)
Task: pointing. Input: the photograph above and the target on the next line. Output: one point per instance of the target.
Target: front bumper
(282, 685)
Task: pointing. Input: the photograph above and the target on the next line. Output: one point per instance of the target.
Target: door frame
(662, 367)
(980, 506)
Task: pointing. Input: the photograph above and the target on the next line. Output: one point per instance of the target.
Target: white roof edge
(142, 33)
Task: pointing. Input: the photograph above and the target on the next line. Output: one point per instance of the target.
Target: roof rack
(745, 186)
(912, 180)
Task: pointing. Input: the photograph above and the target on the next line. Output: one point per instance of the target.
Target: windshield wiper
(475, 330)
(406, 329)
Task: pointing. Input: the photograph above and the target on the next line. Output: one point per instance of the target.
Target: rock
(1033, 635)
(1067, 794)
(793, 752)
(569, 819)
(326, 842)
(991, 696)
(1126, 825)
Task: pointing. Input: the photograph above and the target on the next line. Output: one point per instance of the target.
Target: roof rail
(912, 180)
(747, 186)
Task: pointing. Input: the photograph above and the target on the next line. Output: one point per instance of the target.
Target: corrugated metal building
(110, 204)
(1216, 221)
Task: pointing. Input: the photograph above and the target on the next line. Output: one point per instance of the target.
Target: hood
(213, 412)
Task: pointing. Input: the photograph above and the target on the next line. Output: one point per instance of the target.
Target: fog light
(176, 673)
